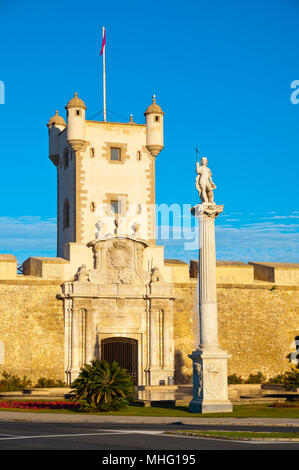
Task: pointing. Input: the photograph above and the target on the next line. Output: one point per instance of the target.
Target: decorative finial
(135, 228)
(131, 117)
(116, 226)
(75, 94)
(154, 98)
(56, 112)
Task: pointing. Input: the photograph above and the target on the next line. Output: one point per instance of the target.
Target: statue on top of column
(204, 183)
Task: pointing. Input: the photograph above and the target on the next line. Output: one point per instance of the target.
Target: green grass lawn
(248, 435)
(239, 411)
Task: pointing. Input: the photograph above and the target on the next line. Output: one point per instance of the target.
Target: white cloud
(264, 241)
(28, 236)
(258, 241)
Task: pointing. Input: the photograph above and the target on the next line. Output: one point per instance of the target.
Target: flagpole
(104, 76)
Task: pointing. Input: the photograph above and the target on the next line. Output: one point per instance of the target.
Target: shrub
(43, 382)
(11, 383)
(290, 379)
(103, 386)
(277, 379)
(234, 379)
(257, 378)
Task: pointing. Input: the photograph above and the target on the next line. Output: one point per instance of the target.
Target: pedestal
(210, 382)
(210, 393)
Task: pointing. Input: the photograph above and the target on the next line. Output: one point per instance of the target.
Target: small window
(115, 206)
(92, 152)
(138, 155)
(66, 214)
(156, 118)
(78, 112)
(139, 209)
(92, 206)
(115, 154)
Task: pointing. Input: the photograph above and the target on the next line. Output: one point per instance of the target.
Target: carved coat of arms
(118, 261)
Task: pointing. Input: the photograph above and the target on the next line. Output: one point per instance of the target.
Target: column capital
(207, 210)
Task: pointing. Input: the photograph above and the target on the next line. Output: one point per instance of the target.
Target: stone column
(209, 362)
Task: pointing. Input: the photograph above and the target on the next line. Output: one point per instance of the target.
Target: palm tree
(103, 386)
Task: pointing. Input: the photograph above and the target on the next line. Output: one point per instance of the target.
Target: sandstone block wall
(257, 325)
(31, 328)
(185, 329)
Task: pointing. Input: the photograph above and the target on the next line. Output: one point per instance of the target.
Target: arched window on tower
(66, 214)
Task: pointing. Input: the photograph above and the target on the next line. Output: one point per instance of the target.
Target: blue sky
(222, 72)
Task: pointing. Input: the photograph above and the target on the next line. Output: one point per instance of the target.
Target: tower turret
(154, 128)
(55, 125)
(76, 122)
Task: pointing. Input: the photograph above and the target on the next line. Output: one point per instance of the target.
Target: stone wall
(185, 329)
(31, 328)
(257, 325)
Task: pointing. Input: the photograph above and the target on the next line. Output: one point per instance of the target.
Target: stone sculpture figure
(204, 183)
(82, 274)
(197, 374)
(156, 275)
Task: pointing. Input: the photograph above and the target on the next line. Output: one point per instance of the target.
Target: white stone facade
(116, 295)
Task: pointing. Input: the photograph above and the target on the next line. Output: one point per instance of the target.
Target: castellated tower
(118, 293)
(105, 175)
(154, 128)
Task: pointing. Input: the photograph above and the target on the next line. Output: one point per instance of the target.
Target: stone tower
(117, 295)
(105, 175)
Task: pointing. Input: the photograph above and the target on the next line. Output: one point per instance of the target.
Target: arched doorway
(124, 351)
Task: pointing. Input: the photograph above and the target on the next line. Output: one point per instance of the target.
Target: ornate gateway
(118, 311)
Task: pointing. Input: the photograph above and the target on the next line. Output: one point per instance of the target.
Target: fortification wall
(257, 325)
(31, 328)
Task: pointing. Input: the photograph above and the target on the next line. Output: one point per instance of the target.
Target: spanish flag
(103, 42)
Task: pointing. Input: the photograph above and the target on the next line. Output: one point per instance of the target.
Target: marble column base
(210, 391)
(202, 407)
